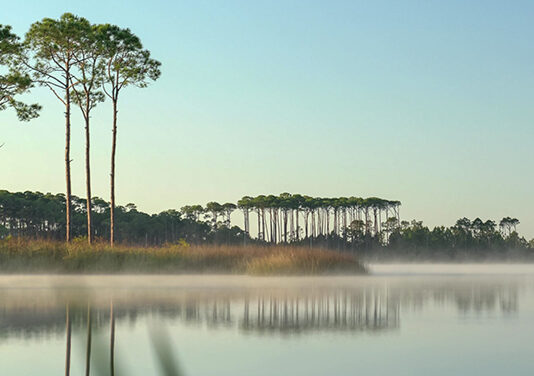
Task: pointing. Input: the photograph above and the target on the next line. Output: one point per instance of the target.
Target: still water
(401, 320)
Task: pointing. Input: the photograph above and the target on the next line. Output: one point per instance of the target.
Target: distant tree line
(81, 64)
(370, 227)
(468, 239)
(42, 216)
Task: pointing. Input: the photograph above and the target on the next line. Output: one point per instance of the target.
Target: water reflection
(345, 311)
(362, 307)
(204, 312)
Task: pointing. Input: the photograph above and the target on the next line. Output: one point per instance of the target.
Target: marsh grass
(43, 256)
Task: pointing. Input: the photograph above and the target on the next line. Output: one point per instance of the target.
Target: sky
(426, 102)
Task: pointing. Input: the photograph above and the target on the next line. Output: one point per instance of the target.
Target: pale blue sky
(427, 102)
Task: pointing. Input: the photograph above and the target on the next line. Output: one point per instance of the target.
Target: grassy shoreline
(41, 256)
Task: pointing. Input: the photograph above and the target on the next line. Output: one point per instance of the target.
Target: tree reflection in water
(364, 307)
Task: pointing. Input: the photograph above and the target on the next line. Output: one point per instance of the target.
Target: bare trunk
(263, 236)
(67, 160)
(306, 223)
(284, 212)
(312, 223)
(327, 219)
(112, 175)
(273, 226)
(88, 178)
(379, 220)
(375, 221)
(276, 227)
(297, 225)
(259, 223)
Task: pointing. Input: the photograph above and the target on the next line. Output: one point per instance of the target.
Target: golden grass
(19, 255)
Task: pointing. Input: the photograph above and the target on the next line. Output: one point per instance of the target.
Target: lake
(412, 319)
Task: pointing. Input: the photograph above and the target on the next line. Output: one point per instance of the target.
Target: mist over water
(453, 268)
(403, 319)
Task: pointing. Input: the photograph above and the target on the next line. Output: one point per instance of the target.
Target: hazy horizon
(425, 103)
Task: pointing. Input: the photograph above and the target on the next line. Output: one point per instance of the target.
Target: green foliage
(125, 62)
(15, 82)
(466, 239)
(89, 75)
(52, 47)
(34, 214)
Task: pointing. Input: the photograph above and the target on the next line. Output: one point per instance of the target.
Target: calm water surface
(401, 320)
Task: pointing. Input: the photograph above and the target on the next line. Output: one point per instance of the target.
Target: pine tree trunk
(88, 179)
(375, 221)
(67, 161)
(297, 225)
(284, 213)
(259, 223)
(112, 175)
